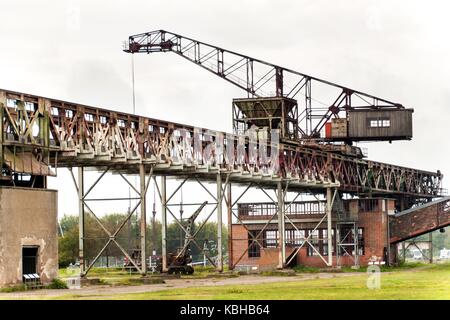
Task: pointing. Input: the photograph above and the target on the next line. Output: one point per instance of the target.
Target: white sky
(72, 50)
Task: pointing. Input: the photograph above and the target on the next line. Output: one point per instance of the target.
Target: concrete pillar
(430, 246)
(143, 220)
(281, 228)
(81, 220)
(403, 251)
(329, 228)
(164, 223)
(219, 224)
(230, 227)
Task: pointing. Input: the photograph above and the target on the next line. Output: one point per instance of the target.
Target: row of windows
(260, 209)
(318, 238)
(379, 123)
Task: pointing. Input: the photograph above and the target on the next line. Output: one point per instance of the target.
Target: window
(162, 130)
(368, 205)
(103, 120)
(55, 111)
(253, 247)
(324, 242)
(271, 239)
(379, 123)
(89, 117)
(29, 106)
(11, 103)
(314, 240)
(361, 250)
(69, 114)
(294, 237)
(121, 123)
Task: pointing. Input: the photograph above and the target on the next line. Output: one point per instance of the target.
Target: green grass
(427, 282)
(16, 288)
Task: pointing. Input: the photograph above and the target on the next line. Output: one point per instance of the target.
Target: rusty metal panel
(26, 162)
(339, 128)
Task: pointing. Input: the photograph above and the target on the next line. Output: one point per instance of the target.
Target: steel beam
(430, 246)
(143, 219)
(230, 226)
(281, 227)
(164, 223)
(329, 228)
(219, 261)
(81, 220)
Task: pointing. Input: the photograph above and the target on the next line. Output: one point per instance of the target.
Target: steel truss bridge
(41, 134)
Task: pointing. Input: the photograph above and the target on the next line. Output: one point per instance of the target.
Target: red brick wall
(375, 236)
(418, 222)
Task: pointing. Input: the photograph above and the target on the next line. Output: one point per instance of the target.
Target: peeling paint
(28, 217)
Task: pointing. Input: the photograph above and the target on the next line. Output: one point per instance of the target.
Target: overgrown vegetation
(54, 284)
(428, 282)
(15, 288)
(128, 237)
(57, 284)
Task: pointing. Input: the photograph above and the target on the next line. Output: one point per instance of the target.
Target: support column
(143, 220)
(430, 246)
(404, 251)
(219, 224)
(164, 223)
(81, 220)
(329, 229)
(230, 227)
(281, 228)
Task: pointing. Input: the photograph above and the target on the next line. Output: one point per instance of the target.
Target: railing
(264, 209)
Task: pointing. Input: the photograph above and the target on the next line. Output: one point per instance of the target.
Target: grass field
(409, 282)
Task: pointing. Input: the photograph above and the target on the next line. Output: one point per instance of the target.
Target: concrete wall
(28, 217)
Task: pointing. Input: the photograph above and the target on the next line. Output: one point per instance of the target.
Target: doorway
(29, 260)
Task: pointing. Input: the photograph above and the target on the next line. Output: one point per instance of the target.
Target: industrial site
(105, 201)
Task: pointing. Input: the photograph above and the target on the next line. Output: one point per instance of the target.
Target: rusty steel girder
(83, 135)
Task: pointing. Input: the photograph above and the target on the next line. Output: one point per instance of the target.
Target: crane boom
(263, 79)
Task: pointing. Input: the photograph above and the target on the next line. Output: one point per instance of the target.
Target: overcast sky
(72, 50)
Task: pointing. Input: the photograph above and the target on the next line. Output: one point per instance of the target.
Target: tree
(128, 237)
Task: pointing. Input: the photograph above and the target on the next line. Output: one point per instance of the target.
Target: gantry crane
(274, 94)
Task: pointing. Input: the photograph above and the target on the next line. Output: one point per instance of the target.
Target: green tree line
(129, 239)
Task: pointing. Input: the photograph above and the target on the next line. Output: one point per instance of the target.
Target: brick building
(359, 233)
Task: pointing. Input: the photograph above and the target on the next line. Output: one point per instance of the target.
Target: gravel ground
(104, 291)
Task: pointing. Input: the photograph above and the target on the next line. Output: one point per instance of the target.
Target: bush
(301, 269)
(57, 284)
(19, 287)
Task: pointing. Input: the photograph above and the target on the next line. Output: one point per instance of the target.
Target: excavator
(179, 262)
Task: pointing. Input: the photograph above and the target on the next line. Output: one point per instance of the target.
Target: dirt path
(109, 291)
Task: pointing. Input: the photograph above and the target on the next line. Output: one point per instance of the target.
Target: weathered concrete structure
(28, 234)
